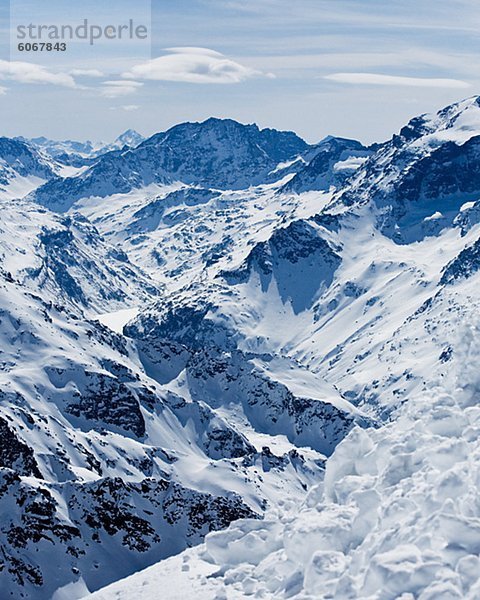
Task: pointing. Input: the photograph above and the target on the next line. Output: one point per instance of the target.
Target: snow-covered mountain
(105, 470)
(420, 179)
(88, 149)
(71, 153)
(129, 138)
(225, 332)
(55, 149)
(66, 260)
(218, 153)
(22, 168)
(332, 162)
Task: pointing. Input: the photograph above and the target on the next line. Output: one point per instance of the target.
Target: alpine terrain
(234, 364)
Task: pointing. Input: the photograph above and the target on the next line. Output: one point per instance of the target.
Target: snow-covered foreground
(397, 516)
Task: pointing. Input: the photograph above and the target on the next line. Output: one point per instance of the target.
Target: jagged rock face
(429, 180)
(297, 258)
(45, 546)
(67, 260)
(224, 377)
(32, 525)
(18, 160)
(15, 454)
(407, 177)
(464, 266)
(334, 161)
(217, 153)
(105, 400)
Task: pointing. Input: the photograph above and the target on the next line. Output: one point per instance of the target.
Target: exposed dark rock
(15, 454)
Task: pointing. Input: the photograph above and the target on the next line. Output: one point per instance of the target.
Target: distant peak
(222, 122)
(129, 132)
(130, 135)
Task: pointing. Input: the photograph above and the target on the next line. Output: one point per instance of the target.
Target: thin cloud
(24, 72)
(126, 107)
(358, 61)
(394, 80)
(114, 89)
(87, 73)
(193, 65)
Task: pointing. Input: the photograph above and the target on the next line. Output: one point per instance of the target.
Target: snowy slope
(22, 168)
(130, 138)
(222, 313)
(397, 515)
(66, 260)
(368, 315)
(218, 153)
(104, 471)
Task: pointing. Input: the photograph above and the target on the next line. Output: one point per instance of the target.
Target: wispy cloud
(193, 65)
(114, 89)
(300, 64)
(126, 107)
(87, 73)
(24, 72)
(394, 80)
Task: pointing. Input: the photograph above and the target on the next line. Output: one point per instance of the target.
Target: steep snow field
(397, 516)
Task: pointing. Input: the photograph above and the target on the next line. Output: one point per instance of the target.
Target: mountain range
(243, 359)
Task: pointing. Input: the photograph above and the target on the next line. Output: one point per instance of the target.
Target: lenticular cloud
(193, 65)
(395, 80)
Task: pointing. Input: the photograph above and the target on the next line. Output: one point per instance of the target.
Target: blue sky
(357, 68)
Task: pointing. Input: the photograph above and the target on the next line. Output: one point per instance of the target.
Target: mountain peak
(218, 153)
(130, 137)
(222, 122)
(456, 123)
